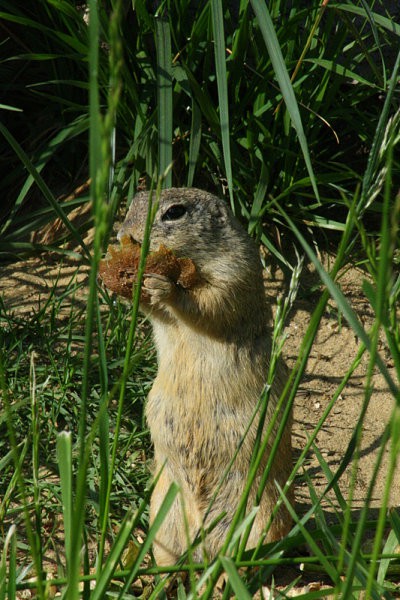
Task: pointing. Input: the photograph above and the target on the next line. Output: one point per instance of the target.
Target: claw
(158, 288)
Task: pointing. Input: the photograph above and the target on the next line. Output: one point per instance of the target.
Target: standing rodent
(213, 346)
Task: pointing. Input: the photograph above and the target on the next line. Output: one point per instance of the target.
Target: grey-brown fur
(213, 350)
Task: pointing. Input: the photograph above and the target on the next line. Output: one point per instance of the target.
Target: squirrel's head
(190, 222)
(197, 225)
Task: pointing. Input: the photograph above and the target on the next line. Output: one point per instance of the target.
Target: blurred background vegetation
(340, 57)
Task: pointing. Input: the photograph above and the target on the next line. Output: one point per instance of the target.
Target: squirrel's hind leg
(179, 526)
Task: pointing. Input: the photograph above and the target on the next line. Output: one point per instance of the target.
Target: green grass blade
(114, 557)
(222, 83)
(329, 477)
(35, 431)
(195, 140)
(8, 581)
(70, 41)
(34, 542)
(12, 108)
(374, 30)
(328, 565)
(390, 547)
(64, 459)
(389, 24)
(14, 481)
(204, 100)
(69, 132)
(341, 70)
(353, 558)
(278, 63)
(99, 171)
(104, 440)
(234, 578)
(383, 283)
(42, 186)
(12, 567)
(394, 515)
(126, 370)
(162, 514)
(257, 205)
(96, 125)
(3, 571)
(373, 159)
(164, 99)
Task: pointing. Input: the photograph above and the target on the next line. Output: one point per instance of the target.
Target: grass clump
(290, 111)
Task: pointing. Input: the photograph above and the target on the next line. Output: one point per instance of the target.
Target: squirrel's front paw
(157, 289)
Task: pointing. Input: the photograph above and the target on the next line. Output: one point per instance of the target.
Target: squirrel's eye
(174, 212)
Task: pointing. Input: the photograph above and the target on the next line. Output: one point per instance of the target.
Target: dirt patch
(28, 286)
(335, 348)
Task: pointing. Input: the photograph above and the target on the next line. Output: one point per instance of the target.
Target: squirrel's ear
(222, 212)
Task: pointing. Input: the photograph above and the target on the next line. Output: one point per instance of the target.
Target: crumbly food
(119, 268)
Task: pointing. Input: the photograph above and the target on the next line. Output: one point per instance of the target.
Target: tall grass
(249, 102)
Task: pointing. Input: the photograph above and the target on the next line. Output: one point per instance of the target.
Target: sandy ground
(26, 285)
(333, 352)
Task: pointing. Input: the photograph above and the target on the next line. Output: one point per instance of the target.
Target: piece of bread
(119, 268)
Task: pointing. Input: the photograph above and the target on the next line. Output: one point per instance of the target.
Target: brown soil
(26, 285)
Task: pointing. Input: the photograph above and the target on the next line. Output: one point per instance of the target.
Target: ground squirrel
(213, 347)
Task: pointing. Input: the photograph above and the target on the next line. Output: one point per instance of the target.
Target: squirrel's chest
(193, 436)
(202, 400)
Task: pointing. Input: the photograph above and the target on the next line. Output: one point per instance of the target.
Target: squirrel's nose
(124, 231)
